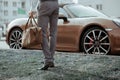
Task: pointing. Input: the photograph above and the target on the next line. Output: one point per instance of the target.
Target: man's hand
(32, 13)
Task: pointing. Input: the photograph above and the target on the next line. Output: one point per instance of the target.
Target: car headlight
(117, 22)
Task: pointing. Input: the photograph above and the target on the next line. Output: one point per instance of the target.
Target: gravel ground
(25, 64)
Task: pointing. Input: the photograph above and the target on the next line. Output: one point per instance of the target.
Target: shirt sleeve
(34, 4)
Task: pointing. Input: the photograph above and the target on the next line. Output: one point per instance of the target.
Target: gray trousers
(48, 15)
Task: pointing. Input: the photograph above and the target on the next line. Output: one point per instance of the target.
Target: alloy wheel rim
(96, 42)
(16, 39)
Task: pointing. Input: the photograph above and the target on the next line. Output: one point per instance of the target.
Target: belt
(47, 0)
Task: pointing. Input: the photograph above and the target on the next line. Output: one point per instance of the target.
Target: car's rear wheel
(15, 38)
(95, 41)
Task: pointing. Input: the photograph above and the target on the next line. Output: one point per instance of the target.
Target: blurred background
(12, 9)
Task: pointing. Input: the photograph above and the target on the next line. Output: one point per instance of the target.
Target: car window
(62, 11)
(82, 11)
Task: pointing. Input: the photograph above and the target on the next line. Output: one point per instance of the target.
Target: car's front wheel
(95, 41)
(15, 38)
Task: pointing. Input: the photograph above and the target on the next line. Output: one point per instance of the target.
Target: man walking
(47, 14)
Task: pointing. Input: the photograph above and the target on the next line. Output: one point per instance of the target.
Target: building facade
(12, 9)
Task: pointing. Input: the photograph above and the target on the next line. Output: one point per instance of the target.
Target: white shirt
(34, 4)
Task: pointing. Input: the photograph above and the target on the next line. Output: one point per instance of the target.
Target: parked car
(87, 31)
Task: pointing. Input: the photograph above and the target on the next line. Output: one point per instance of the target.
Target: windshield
(82, 11)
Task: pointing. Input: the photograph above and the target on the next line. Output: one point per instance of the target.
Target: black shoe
(49, 64)
(45, 67)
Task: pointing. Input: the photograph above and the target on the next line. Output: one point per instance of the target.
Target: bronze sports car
(80, 28)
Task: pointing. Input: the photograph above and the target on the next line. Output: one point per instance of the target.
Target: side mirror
(61, 16)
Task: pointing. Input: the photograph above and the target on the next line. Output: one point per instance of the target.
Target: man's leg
(43, 22)
(53, 32)
(46, 50)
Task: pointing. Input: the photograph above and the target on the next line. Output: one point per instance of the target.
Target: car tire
(95, 41)
(15, 38)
